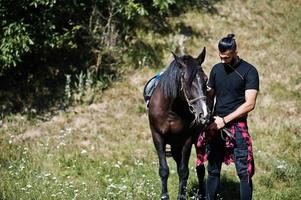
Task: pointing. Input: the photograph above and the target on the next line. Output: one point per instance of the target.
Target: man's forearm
(241, 111)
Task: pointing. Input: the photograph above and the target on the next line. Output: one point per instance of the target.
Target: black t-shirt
(230, 85)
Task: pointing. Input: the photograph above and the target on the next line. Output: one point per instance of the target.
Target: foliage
(31, 26)
(36, 25)
(14, 43)
(44, 40)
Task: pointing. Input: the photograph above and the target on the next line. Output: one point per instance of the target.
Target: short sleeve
(211, 82)
(252, 79)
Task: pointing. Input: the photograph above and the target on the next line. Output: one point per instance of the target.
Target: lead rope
(227, 132)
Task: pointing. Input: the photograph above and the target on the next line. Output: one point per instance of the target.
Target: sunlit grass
(105, 151)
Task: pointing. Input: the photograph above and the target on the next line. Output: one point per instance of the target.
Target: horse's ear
(179, 62)
(200, 59)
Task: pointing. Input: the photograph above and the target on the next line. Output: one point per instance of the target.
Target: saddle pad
(150, 86)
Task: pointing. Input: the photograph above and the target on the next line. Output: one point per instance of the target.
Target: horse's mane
(170, 80)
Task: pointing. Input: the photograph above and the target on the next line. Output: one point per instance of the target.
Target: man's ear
(200, 59)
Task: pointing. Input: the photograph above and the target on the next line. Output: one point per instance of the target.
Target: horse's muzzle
(205, 120)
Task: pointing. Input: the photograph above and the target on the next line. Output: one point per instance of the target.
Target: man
(234, 84)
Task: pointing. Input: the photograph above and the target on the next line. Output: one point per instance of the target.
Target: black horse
(177, 113)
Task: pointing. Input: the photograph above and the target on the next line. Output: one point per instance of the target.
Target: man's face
(227, 57)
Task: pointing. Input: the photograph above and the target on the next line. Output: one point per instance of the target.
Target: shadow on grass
(229, 189)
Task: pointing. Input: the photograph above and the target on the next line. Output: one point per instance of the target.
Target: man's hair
(227, 43)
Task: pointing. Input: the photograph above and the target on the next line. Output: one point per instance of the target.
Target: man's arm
(249, 105)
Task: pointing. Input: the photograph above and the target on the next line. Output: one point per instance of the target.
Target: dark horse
(177, 113)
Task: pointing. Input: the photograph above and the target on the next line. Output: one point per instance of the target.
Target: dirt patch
(28, 135)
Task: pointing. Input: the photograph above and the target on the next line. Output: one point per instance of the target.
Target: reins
(227, 132)
(223, 130)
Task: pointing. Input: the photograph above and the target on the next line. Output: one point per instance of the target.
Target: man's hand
(217, 124)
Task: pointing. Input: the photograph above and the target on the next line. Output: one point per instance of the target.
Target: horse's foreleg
(163, 167)
(183, 170)
(200, 170)
(183, 177)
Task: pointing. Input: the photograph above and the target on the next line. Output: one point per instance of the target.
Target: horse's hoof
(165, 197)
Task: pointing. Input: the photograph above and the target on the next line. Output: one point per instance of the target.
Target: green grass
(104, 150)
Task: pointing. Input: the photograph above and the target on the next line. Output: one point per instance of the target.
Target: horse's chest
(168, 120)
(173, 125)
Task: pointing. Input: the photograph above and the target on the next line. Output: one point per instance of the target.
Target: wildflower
(281, 166)
(75, 196)
(46, 175)
(68, 130)
(83, 151)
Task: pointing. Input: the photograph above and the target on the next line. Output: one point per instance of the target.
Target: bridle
(195, 99)
(190, 102)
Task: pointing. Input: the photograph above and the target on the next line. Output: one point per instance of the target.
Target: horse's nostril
(205, 118)
(201, 115)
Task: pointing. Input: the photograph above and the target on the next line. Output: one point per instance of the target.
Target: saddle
(150, 87)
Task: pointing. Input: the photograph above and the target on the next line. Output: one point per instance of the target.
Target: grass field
(104, 150)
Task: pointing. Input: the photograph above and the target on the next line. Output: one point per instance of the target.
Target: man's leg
(246, 188)
(244, 162)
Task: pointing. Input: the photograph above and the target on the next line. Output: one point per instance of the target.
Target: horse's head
(193, 86)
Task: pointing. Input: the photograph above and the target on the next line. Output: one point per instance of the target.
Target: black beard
(231, 63)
